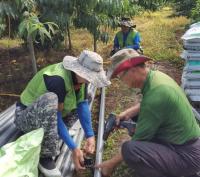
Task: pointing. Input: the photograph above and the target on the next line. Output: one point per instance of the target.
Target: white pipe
(99, 151)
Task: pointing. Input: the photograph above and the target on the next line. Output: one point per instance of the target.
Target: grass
(10, 43)
(161, 34)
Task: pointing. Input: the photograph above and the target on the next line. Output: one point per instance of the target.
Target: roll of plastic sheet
(194, 98)
(191, 72)
(193, 34)
(192, 41)
(191, 45)
(192, 92)
(192, 66)
(195, 25)
(190, 55)
(193, 63)
(190, 84)
(196, 113)
(192, 76)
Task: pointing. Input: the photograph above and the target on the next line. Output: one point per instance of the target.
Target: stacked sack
(191, 54)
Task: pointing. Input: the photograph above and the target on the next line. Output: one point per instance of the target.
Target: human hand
(106, 168)
(121, 116)
(89, 146)
(77, 156)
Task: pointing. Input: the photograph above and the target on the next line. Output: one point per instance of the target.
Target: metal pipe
(69, 172)
(99, 152)
(7, 113)
(68, 160)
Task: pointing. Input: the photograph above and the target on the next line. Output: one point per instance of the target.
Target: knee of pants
(50, 96)
(129, 153)
(51, 99)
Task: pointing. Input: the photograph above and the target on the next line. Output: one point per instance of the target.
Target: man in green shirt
(166, 141)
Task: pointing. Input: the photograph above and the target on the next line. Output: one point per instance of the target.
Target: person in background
(127, 37)
(166, 141)
(52, 94)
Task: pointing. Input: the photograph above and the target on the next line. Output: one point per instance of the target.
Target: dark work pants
(150, 159)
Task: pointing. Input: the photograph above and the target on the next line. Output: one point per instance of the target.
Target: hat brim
(136, 61)
(127, 24)
(97, 79)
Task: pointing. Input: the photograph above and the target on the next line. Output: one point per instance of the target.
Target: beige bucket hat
(127, 22)
(89, 65)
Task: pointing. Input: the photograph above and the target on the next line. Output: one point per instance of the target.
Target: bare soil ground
(16, 71)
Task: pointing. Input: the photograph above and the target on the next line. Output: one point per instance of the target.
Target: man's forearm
(117, 159)
(132, 111)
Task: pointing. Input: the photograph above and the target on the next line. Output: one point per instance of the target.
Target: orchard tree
(184, 7)
(195, 14)
(23, 13)
(99, 15)
(29, 28)
(60, 12)
(151, 5)
(11, 12)
(8, 11)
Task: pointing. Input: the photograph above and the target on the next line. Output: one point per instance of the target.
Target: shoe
(48, 168)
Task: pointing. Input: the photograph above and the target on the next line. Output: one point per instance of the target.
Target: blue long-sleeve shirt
(56, 84)
(85, 120)
(136, 41)
(64, 133)
(84, 115)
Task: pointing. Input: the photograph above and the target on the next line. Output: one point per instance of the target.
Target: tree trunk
(65, 42)
(10, 76)
(69, 36)
(32, 54)
(95, 42)
(9, 28)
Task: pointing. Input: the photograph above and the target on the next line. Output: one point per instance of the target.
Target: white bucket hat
(89, 65)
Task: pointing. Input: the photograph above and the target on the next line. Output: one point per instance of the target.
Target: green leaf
(41, 37)
(45, 32)
(22, 28)
(33, 28)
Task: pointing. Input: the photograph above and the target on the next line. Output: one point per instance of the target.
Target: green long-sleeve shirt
(165, 113)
